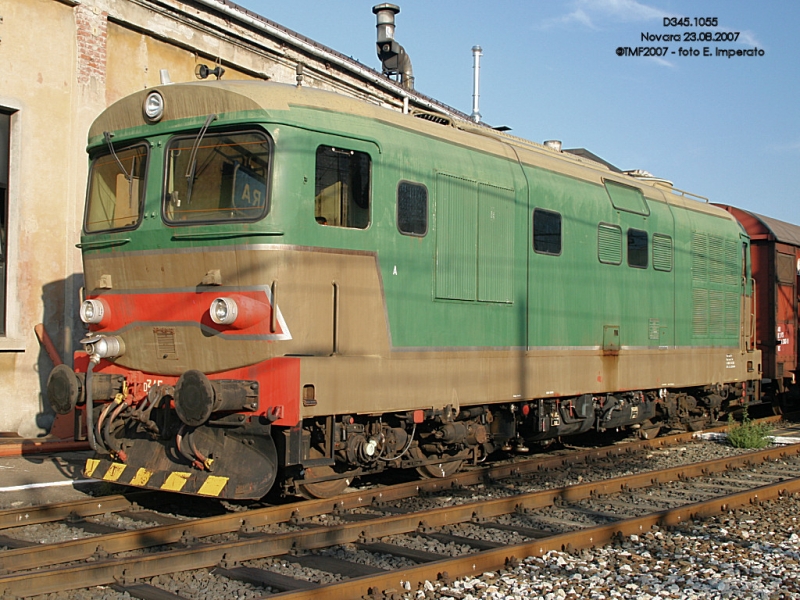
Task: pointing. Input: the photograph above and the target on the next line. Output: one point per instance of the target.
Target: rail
(89, 561)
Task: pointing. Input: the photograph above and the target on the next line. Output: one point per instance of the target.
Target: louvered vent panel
(732, 313)
(609, 244)
(456, 238)
(700, 313)
(716, 312)
(662, 252)
(699, 257)
(716, 259)
(733, 266)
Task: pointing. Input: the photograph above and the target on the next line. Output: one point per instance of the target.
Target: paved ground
(41, 478)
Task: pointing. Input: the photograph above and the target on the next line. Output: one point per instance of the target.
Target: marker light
(92, 311)
(224, 311)
(154, 107)
(104, 346)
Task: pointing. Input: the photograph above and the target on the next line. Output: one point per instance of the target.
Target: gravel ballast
(752, 553)
(749, 553)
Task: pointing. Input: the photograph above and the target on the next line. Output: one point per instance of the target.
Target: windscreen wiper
(128, 177)
(190, 169)
(107, 137)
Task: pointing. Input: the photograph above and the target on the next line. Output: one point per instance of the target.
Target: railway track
(252, 545)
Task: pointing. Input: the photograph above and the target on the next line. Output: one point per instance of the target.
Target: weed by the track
(748, 434)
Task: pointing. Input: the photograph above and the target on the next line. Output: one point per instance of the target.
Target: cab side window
(412, 208)
(637, 248)
(342, 188)
(546, 232)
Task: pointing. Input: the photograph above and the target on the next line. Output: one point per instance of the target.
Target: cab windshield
(217, 177)
(116, 189)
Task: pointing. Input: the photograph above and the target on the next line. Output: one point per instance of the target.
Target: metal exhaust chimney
(393, 57)
(477, 52)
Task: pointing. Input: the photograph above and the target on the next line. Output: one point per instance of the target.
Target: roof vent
(477, 52)
(393, 57)
(553, 145)
(643, 175)
(432, 117)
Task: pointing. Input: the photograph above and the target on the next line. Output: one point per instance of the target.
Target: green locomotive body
(286, 284)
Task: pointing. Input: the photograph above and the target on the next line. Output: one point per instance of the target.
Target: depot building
(65, 61)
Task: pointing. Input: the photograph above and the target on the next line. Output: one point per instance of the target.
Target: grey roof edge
(584, 153)
(243, 14)
(786, 233)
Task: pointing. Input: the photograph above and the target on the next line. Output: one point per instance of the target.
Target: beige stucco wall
(45, 179)
(65, 61)
(136, 61)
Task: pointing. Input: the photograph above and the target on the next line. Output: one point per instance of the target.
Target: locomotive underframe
(235, 454)
(437, 443)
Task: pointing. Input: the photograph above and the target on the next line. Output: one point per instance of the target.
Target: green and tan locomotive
(288, 287)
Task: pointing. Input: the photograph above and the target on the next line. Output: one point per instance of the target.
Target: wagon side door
(785, 311)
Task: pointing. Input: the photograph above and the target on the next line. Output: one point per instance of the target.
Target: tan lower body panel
(352, 384)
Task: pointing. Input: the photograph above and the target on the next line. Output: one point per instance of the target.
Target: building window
(342, 188)
(412, 208)
(5, 151)
(546, 232)
(637, 248)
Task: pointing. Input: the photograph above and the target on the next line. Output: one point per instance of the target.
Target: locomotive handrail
(223, 235)
(753, 313)
(690, 195)
(103, 243)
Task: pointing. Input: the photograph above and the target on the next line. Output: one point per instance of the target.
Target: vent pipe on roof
(643, 175)
(393, 57)
(553, 145)
(477, 52)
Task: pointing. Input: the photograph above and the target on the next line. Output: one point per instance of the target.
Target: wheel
(447, 467)
(778, 407)
(322, 489)
(648, 431)
(542, 445)
(698, 424)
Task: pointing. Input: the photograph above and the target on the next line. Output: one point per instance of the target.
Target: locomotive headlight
(92, 311)
(224, 311)
(154, 107)
(104, 346)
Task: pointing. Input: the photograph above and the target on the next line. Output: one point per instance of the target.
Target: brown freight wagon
(775, 255)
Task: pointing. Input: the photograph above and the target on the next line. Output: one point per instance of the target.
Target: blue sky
(725, 128)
